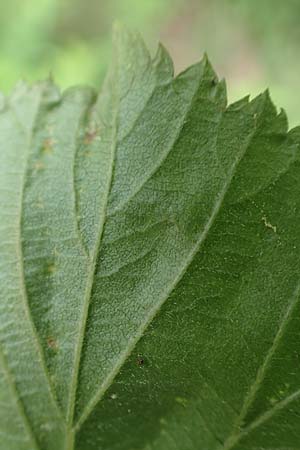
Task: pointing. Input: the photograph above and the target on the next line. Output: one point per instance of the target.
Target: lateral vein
(18, 402)
(19, 250)
(237, 433)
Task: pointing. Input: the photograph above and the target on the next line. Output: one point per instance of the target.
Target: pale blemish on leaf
(87, 153)
(52, 344)
(38, 165)
(40, 204)
(268, 224)
(273, 400)
(91, 135)
(181, 401)
(55, 251)
(51, 269)
(48, 146)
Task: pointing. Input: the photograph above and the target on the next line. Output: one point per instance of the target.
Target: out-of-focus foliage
(70, 39)
(254, 44)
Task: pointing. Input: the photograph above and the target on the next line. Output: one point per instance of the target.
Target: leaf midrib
(89, 287)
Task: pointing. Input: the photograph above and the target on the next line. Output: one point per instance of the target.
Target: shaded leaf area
(149, 255)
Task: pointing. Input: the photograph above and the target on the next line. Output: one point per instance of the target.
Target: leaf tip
(163, 60)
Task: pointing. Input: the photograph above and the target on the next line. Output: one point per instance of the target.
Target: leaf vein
(19, 250)
(18, 400)
(249, 399)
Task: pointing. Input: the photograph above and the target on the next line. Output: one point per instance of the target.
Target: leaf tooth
(129, 48)
(163, 63)
(239, 104)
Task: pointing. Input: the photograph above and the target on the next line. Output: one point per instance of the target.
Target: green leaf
(149, 264)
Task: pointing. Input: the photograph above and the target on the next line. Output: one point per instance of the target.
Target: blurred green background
(255, 44)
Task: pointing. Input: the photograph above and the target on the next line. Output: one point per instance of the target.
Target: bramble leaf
(149, 264)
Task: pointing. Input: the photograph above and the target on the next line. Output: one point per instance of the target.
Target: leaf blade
(159, 232)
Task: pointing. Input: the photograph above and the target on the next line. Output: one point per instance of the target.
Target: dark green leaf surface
(149, 264)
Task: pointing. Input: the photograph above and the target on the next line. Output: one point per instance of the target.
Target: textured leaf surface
(149, 264)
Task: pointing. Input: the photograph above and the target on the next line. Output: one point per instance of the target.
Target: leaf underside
(149, 264)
